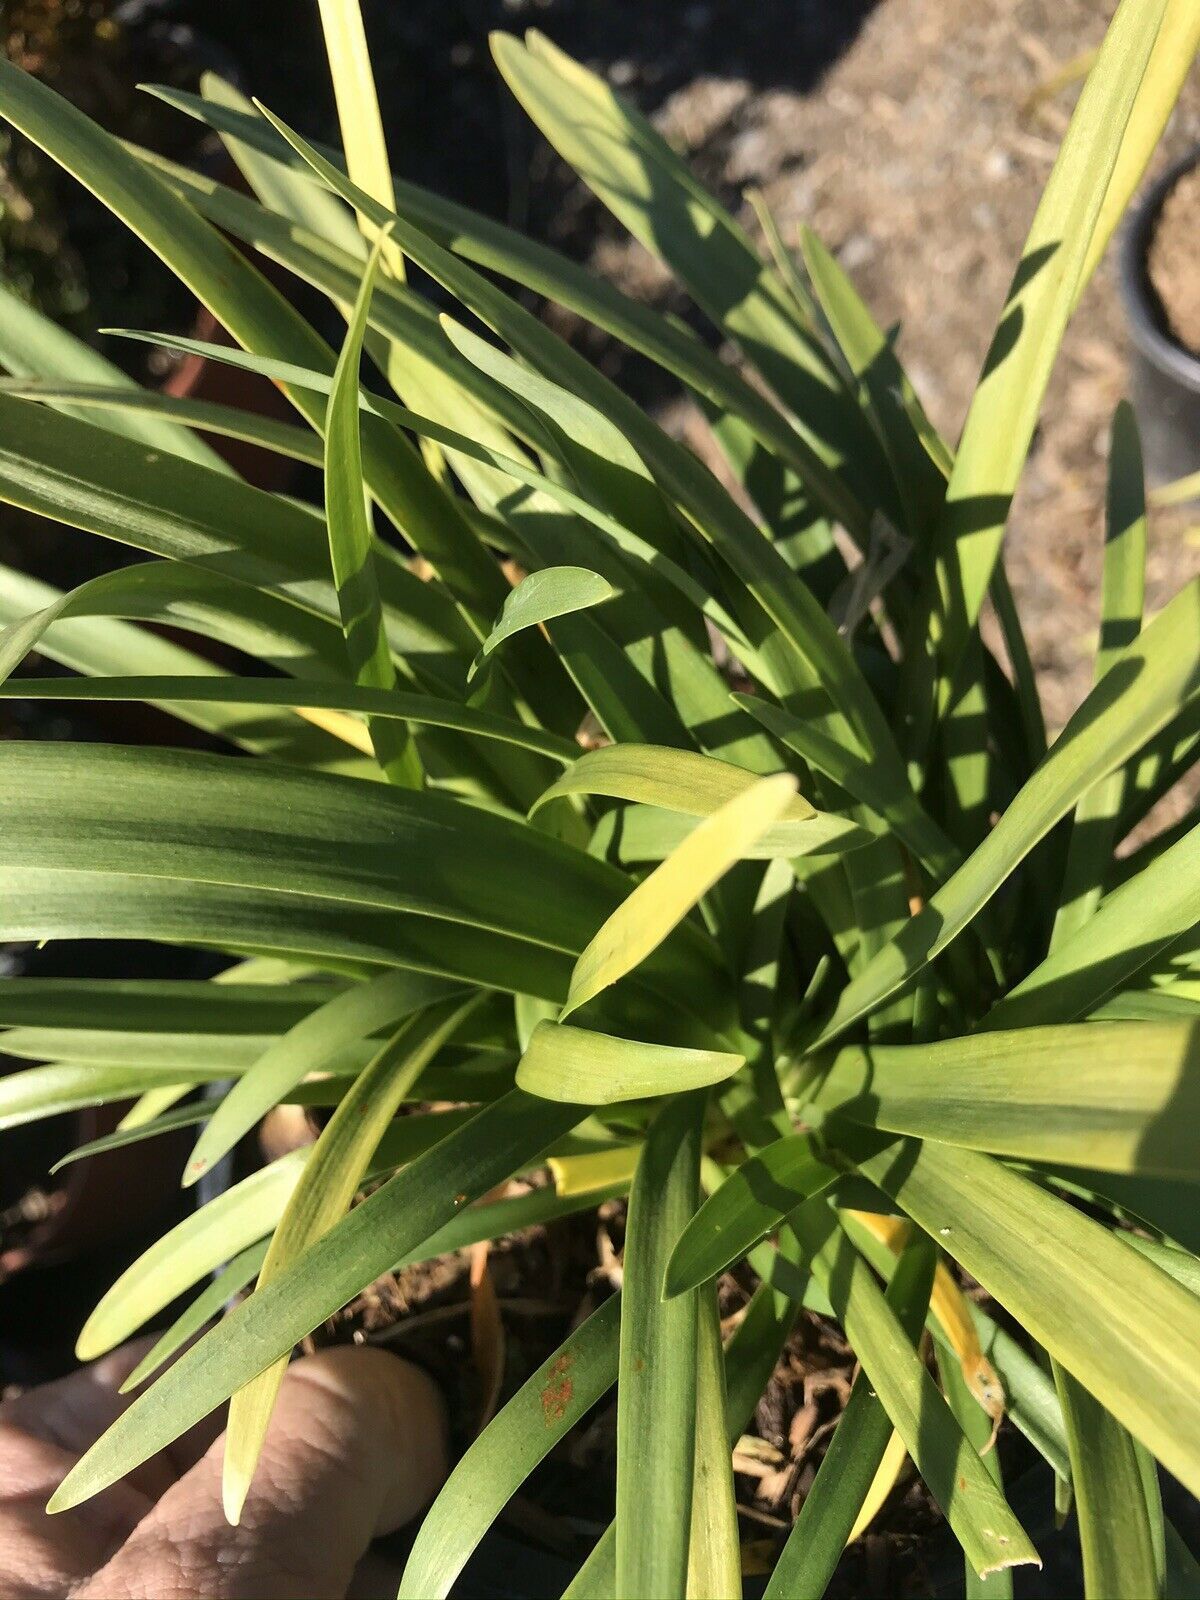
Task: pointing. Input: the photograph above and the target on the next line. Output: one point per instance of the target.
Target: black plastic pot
(1164, 377)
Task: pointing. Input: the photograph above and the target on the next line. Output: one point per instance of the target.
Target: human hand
(355, 1449)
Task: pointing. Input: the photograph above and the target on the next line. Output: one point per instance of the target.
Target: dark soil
(1173, 260)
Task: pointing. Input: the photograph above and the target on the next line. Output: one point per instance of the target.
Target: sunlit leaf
(565, 1063)
(543, 595)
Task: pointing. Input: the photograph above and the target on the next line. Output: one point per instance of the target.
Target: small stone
(998, 165)
(858, 249)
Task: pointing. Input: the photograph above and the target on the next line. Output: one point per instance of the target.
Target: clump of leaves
(815, 949)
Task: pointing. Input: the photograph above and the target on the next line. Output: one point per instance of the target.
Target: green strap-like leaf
(206, 827)
(615, 533)
(543, 595)
(892, 399)
(209, 1303)
(92, 479)
(495, 247)
(337, 1165)
(656, 1398)
(1004, 410)
(1122, 595)
(596, 1069)
(895, 805)
(1114, 1526)
(1134, 923)
(606, 465)
(102, 645)
(499, 1218)
(635, 173)
(983, 1523)
(696, 785)
(815, 654)
(46, 1091)
(224, 1055)
(1062, 1276)
(166, 1122)
(847, 1471)
(1144, 688)
(714, 1556)
(254, 313)
(748, 1205)
(978, 1428)
(1122, 1096)
(1178, 1264)
(389, 1224)
(98, 400)
(426, 710)
(1165, 75)
(188, 1251)
(34, 347)
(350, 534)
(549, 1403)
(750, 1358)
(309, 1047)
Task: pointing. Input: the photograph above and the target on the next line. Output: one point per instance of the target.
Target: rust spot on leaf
(556, 1396)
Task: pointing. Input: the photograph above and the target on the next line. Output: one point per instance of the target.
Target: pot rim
(1142, 307)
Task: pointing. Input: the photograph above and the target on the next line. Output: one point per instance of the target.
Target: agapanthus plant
(683, 825)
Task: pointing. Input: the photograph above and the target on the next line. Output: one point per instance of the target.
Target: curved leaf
(206, 828)
(1063, 1276)
(1121, 1096)
(1166, 72)
(714, 1553)
(697, 785)
(1004, 410)
(1122, 597)
(750, 1204)
(1114, 1525)
(548, 593)
(847, 1471)
(209, 1303)
(148, 1127)
(34, 347)
(336, 1166)
(350, 537)
(206, 416)
(531, 1424)
(1133, 924)
(310, 1046)
(39, 1092)
(390, 1224)
(426, 710)
(640, 924)
(189, 1251)
(596, 1069)
(1141, 692)
(991, 1537)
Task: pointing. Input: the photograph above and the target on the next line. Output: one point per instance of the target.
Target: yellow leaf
(642, 921)
(949, 1307)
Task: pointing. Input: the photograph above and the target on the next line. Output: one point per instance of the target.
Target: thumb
(356, 1447)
